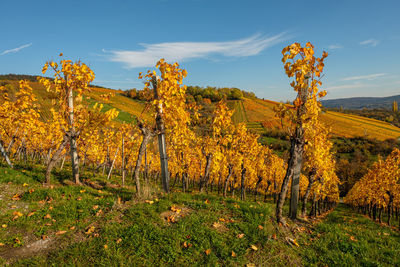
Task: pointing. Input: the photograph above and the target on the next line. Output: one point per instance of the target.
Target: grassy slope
(136, 233)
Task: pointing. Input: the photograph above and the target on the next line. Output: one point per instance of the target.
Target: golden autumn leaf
(90, 230)
(233, 254)
(207, 251)
(253, 247)
(61, 232)
(240, 235)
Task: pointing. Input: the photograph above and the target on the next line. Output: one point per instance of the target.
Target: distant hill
(361, 102)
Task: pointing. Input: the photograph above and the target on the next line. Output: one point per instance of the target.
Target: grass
(345, 238)
(202, 229)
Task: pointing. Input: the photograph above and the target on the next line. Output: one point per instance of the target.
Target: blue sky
(220, 43)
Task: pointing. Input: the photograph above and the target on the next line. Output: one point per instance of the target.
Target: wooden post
(112, 164)
(123, 163)
(162, 146)
(4, 154)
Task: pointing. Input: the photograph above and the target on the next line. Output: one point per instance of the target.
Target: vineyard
(90, 176)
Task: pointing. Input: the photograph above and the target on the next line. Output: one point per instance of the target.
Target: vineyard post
(72, 137)
(4, 153)
(161, 139)
(123, 162)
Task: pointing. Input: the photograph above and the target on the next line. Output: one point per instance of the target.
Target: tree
(71, 78)
(301, 64)
(394, 106)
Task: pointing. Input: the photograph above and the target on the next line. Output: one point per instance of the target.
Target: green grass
(345, 238)
(136, 233)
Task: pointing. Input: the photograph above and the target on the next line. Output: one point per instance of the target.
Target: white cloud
(335, 46)
(364, 77)
(15, 50)
(345, 86)
(182, 51)
(371, 42)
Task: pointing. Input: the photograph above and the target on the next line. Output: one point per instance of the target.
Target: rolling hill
(361, 102)
(256, 113)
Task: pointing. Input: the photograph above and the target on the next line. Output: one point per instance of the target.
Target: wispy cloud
(335, 46)
(345, 86)
(183, 51)
(15, 50)
(364, 77)
(371, 42)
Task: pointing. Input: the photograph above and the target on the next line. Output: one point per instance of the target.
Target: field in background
(258, 114)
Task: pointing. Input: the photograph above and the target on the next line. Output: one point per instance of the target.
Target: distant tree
(394, 106)
(236, 94)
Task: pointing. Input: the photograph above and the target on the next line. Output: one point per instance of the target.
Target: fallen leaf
(30, 214)
(293, 241)
(149, 201)
(25, 184)
(95, 207)
(83, 191)
(186, 244)
(47, 216)
(233, 254)
(216, 225)
(16, 197)
(105, 247)
(99, 213)
(253, 247)
(352, 238)
(90, 230)
(207, 251)
(240, 236)
(17, 214)
(175, 209)
(50, 208)
(260, 227)
(119, 240)
(171, 219)
(31, 191)
(4, 226)
(79, 198)
(72, 228)
(250, 265)
(1, 244)
(207, 202)
(61, 232)
(273, 236)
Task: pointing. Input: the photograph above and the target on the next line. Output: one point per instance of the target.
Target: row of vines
(205, 155)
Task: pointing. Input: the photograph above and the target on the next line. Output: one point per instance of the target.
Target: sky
(220, 43)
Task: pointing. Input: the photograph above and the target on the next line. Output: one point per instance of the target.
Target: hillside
(78, 225)
(361, 102)
(256, 113)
